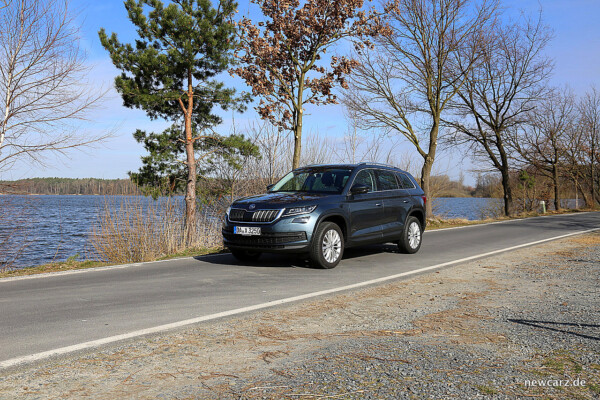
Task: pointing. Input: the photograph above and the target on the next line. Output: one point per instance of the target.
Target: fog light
(300, 220)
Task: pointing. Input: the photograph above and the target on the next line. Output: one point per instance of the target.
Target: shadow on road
(295, 260)
(566, 325)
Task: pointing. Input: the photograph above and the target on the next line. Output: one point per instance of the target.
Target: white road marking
(112, 267)
(161, 328)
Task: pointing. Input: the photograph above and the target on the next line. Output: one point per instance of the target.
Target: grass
(137, 231)
(486, 389)
(442, 223)
(72, 263)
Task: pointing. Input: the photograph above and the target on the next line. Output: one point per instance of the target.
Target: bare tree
(43, 92)
(576, 154)
(507, 80)
(544, 140)
(589, 108)
(419, 63)
(275, 147)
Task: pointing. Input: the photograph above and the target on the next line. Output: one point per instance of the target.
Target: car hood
(280, 199)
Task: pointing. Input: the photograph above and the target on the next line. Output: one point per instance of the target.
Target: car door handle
(405, 201)
(378, 204)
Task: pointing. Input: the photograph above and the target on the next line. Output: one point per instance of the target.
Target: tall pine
(169, 72)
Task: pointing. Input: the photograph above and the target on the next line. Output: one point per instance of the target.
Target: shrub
(139, 229)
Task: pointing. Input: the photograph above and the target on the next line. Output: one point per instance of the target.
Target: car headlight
(299, 210)
(227, 211)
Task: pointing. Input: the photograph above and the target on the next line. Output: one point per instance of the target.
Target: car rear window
(405, 181)
(386, 180)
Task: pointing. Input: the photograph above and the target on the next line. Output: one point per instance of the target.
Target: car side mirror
(270, 186)
(359, 188)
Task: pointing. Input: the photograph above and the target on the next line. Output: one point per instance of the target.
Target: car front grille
(240, 215)
(267, 239)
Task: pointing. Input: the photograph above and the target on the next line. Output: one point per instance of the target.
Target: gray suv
(322, 209)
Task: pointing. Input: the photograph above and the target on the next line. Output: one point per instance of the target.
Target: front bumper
(280, 236)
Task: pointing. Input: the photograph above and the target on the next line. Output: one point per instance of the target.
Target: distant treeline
(442, 186)
(69, 186)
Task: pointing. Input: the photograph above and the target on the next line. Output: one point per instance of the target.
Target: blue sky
(575, 48)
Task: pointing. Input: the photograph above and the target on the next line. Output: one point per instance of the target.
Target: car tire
(245, 255)
(412, 236)
(327, 245)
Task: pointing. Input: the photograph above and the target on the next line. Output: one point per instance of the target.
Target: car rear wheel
(411, 239)
(327, 245)
(245, 255)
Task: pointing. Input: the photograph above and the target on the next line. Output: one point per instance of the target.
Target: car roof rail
(376, 163)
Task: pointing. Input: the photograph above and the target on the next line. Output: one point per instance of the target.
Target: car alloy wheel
(331, 246)
(414, 235)
(327, 245)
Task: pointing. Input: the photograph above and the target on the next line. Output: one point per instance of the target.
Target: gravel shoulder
(524, 324)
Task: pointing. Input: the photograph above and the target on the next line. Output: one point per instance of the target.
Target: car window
(328, 180)
(365, 177)
(387, 180)
(405, 181)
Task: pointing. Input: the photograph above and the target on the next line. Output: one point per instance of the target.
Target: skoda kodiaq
(320, 210)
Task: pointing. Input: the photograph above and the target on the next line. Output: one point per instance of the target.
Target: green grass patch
(486, 389)
(195, 253)
(594, 388)
(554, 364)
(71, 263)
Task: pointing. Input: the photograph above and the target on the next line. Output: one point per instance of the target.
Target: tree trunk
(508, 197)
(298, 124)
(190, 189)
(429, 158)
(425, 179)
(297, 141)
(593, 172)
(556, 187)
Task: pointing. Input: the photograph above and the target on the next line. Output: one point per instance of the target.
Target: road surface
(42, 316)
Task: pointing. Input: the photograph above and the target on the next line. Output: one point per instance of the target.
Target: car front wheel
(411, 239)
(327, 246)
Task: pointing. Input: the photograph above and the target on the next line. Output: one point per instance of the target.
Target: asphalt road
(46, 313)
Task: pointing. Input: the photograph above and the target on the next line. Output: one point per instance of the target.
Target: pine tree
(163, 173)
(170, 73)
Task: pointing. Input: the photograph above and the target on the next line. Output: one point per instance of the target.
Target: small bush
(140, 229)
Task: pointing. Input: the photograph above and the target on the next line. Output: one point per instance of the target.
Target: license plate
(246, 230)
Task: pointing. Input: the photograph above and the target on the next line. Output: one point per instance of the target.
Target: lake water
(42, 229)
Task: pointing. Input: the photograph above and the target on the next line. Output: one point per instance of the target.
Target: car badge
(252, 206)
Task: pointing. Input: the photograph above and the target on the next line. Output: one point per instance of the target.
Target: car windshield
(316, 180)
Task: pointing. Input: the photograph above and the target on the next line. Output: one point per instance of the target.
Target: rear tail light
(424, 199)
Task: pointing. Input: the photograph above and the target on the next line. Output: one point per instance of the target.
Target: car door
(395, 202)
(365, 210)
